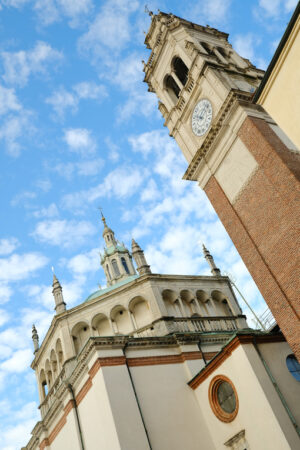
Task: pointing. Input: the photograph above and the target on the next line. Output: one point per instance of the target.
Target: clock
(202, 117)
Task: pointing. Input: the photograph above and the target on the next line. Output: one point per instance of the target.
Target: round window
(223, 398)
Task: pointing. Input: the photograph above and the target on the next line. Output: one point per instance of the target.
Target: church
(156, 361)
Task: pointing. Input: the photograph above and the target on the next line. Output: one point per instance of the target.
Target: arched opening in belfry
(124, 263)
(116, 267)
(180, 69)
(222, 52)
(108, 272)
(206, 47)
(172, 87)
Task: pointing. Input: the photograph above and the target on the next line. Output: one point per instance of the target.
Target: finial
(147, 11)
(35, 338)
(102, 216)
(144, 64)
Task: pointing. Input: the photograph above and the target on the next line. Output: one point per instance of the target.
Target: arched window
(227, 309)
(108, 271)
(172, 87)
(116, 268)
(206, 47)
(125, 265)
(180, 69)
(222, 52)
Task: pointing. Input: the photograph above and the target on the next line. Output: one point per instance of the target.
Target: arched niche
(59, 353)
(54, 363)
(221, 303)
(172, 88)
(121, 319)
(170, 299)
(140, 310)
(187, 298)
(43, 384)
(204, 303)
(48, 372)
(80, 334)
(180, 69)
(101, 325)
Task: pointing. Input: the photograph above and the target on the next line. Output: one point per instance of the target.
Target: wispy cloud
(20, 266)
(62, 100)
(8, 245)
(19, 66)
(8, 101)
(50, 11)
(63, 232)
(80, 140)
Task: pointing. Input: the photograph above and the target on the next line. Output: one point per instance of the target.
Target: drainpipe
(76, 414)
(202, 354)
(281, 396)
(136, 397)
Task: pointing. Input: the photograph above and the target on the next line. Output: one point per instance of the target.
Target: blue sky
(79, 130)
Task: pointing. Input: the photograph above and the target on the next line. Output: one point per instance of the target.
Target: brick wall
(264, 224)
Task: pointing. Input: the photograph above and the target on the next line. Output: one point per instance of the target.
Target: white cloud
(18, 66)
(5, 293)
(21, 266)
(61, 100)
(85, 168)
(49, 212)
(8, 100)
(213, 12)
(113, 148)
(23, 197)
(89, 168)
(90, 90)
(290, 5)
(275, 8)
(120, 183)
(80, 140)
(19, 362)
(50, 11)
(62, 232)
(44, 185)
(8, 245)
(13, 129)
(110, 31)
(4, 317)
(84, 262)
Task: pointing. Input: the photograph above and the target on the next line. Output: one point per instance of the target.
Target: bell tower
(235, 151)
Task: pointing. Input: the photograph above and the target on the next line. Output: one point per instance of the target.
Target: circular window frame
(213, 399)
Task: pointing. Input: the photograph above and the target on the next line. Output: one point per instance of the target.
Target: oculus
(223, 398)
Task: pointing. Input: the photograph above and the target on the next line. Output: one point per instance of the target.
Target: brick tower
(245, 163)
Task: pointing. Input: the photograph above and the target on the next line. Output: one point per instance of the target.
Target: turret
(139, 258)
(116, 259)
(209, 258)
(60, 305)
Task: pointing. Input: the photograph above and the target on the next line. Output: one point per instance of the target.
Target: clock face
(202, 117)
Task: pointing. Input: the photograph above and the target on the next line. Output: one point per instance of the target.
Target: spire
(60, 305)
(35, 338)
(209, 258)
(139, 258)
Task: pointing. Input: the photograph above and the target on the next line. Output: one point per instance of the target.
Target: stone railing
(167, 325)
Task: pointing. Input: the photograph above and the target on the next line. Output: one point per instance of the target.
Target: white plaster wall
(275, 355)
(255, 414)
(67, 438)
(172, 416)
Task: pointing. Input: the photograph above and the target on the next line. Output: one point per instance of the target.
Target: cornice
(238, 339)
